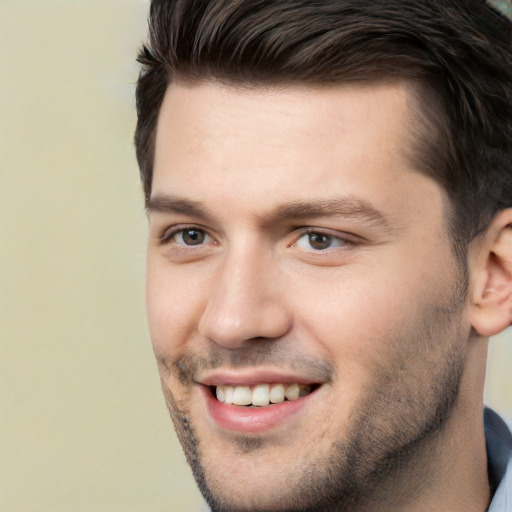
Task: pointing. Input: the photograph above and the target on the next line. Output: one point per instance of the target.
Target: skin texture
(377, 313)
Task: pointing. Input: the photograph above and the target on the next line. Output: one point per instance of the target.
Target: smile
(261, 395)
(255, 405)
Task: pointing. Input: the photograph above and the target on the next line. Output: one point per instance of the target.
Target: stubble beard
(392, 433)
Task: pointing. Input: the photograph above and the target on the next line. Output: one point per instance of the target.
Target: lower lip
(251, 419)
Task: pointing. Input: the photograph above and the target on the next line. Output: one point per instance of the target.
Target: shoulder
(499, 453)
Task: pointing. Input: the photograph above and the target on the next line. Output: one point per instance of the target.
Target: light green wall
(505, 6)
(498, 392)
(83, 426)
(83, 423)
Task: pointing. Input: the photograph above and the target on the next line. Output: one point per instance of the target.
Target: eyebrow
(347, 207)
(180, 205)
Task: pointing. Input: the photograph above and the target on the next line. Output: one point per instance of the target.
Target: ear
(491, 277)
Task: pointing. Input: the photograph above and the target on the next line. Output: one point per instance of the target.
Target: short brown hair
(456, 52)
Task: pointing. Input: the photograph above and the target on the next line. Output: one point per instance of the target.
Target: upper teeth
(261, 394)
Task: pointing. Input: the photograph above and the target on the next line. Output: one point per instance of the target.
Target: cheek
(362, 321)
(173, 307)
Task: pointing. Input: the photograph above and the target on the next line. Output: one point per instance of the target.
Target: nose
(246, 302)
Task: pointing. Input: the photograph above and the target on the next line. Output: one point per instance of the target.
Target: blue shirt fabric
(499, 455)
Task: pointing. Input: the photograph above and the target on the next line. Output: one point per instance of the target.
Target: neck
(447, 471)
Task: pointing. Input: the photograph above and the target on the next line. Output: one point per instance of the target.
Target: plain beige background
(83, 426)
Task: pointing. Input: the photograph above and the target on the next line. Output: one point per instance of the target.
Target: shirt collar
(499, 457)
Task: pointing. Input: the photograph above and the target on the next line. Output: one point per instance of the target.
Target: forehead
(259, 146)
(198, 113)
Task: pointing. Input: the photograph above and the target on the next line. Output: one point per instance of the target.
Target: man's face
(291, 243)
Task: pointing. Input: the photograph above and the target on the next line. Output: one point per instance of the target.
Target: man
(329, 192)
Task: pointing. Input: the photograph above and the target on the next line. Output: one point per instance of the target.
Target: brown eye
(187, 237)
(318, 241)
(191, 236)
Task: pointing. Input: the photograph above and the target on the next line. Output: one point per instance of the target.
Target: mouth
(259, 400)
(261, 395)
(257, 407)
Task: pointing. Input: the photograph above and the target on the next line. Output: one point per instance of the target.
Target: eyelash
(169, 234)
(342, 239)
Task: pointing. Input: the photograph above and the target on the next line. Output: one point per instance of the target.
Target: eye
(187, 237)
(318, 241)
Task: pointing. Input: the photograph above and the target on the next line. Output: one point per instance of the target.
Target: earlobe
(491, 275)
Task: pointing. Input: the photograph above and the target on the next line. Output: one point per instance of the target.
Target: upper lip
(251, 377)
